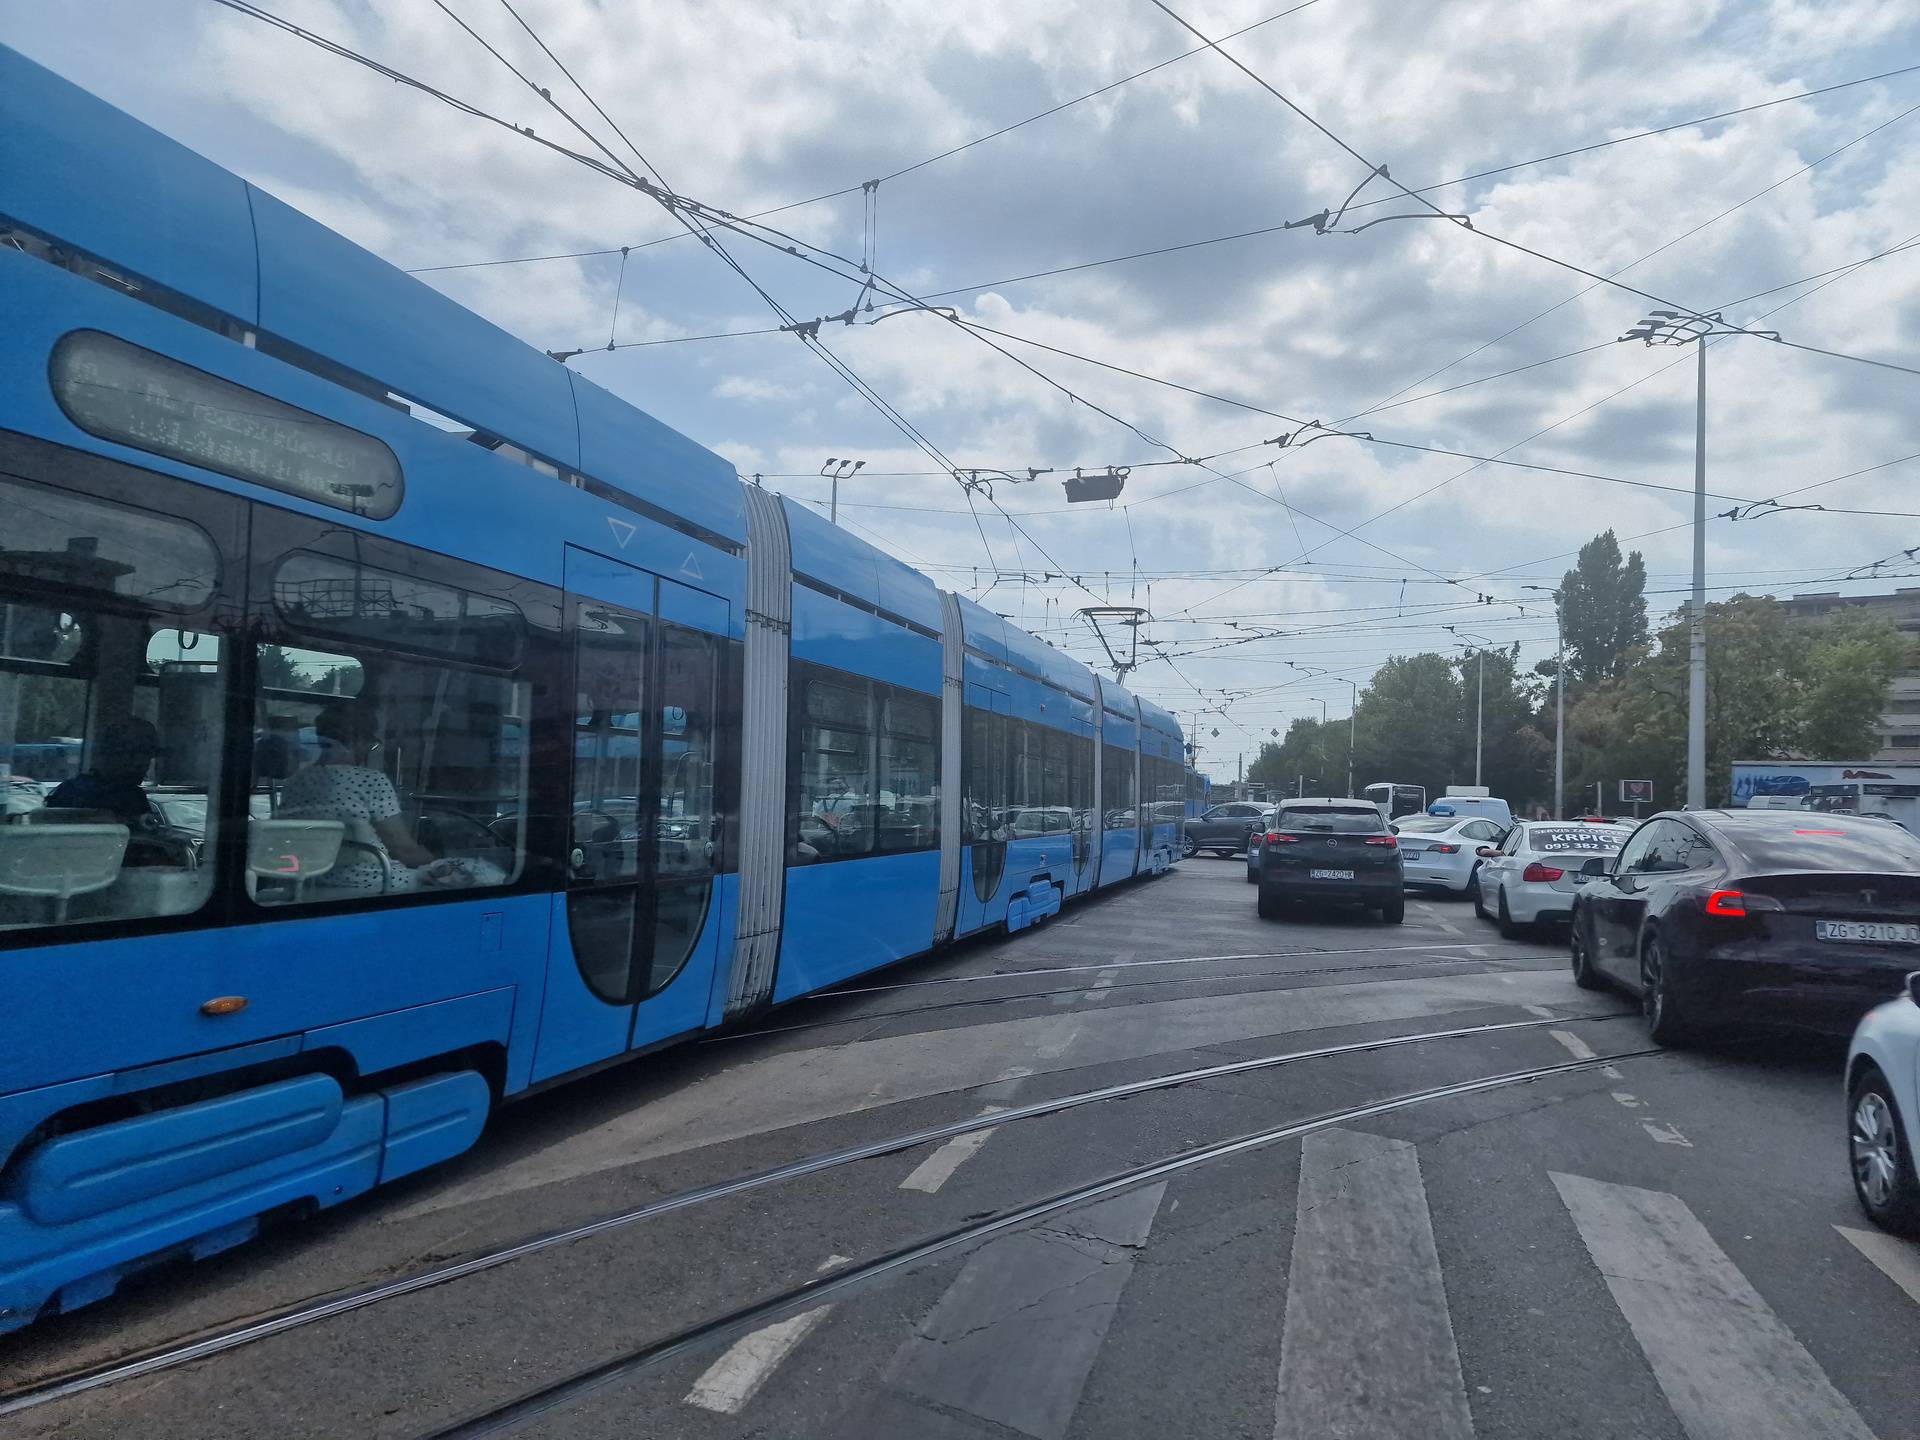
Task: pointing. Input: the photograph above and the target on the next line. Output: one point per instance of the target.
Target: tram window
(109, 758)
(835, 796)
(1116, 787)
(53, 538)
(685, 826)
(984, 775)
(1058, 776)
(909, 773)
(378, 774)
(341, 597)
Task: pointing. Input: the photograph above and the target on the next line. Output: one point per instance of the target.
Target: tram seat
(283, 855)
(57, 859)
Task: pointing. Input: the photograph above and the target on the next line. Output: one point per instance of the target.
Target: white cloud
(750, 105)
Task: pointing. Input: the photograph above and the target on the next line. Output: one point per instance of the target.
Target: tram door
(632, 955)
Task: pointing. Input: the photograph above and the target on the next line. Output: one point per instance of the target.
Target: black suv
(1331, 850)
(1223, 829)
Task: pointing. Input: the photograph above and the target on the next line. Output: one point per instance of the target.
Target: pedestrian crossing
(1367, 1345)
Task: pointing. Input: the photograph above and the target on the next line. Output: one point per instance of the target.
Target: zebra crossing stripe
(1728, 1366)
(1366, 1347)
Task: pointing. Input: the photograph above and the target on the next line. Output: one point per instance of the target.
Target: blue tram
(445, 726)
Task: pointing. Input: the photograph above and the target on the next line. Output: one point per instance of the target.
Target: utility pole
(1697, 612)
(837, 470)
(1670, 327)
(1559, 703)
(1352, 712)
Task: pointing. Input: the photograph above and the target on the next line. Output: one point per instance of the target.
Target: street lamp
(1559, 702)
(837, 470)
(1480, 710)
(1671, 327)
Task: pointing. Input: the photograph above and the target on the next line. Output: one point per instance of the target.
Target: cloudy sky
(750, 106)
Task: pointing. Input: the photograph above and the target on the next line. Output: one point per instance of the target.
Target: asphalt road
(1657, 1245)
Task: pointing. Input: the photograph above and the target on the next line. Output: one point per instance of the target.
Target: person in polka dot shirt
(340, 785)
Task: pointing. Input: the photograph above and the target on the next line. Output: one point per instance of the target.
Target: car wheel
(1584, 975)
(1479, 900)
(1253, 876)
(1187, 848)
(1270, 904)
(1508, 929)
(1395, 910)
(1472, 890)
(1665, 1025)
(1883, 1174)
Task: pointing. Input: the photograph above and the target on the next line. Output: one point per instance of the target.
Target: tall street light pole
(1559, 703)
(837, 470)
(1480, 709)
(1670, 327)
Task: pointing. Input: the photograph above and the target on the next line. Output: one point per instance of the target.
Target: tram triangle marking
(622, 530)
(691, 568)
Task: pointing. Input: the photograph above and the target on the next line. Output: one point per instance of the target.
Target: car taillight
(1273, 838)
(1539, 874)
(1443, 849)
(1733, 904)
(1386, 840)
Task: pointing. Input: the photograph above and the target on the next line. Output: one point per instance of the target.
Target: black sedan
(1755, 918)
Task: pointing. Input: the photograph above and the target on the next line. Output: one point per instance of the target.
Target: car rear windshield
(1344, 822)
(1577, 839)
(1426, 824)
(1784, 840)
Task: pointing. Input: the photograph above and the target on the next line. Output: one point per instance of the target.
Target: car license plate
(1870, 932)
(1331, 874)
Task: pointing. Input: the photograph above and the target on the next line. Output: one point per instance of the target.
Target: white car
(1442, 851)
(1530, 878)
(1883, 1111)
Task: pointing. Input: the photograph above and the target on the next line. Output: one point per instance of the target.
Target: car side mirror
(1487, 852)
(1597, 865)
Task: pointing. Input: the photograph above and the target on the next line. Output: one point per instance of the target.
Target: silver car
(1442, 852)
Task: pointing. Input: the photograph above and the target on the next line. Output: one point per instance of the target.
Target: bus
(1393, 799)
(430, 724)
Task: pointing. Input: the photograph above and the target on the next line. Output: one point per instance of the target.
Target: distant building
(1899, 726)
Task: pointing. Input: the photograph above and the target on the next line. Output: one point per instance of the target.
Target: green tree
(1775, 690)
(1408, 723)
(1603, 609)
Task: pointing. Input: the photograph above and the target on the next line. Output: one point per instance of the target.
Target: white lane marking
(1363, 1249)
(1612, 1072)
(1015, 1336)
(934, 1171)
(736, 1377)
(795, 1087)
(1542, 1011)
(1575, 1046)
(1898, 1260)
(1665, 1134)
(1727, 1365)
(1632, 1102)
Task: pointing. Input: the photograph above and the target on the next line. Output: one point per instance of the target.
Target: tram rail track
(907, 1012)
(515, 1414)
(315, 1309)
